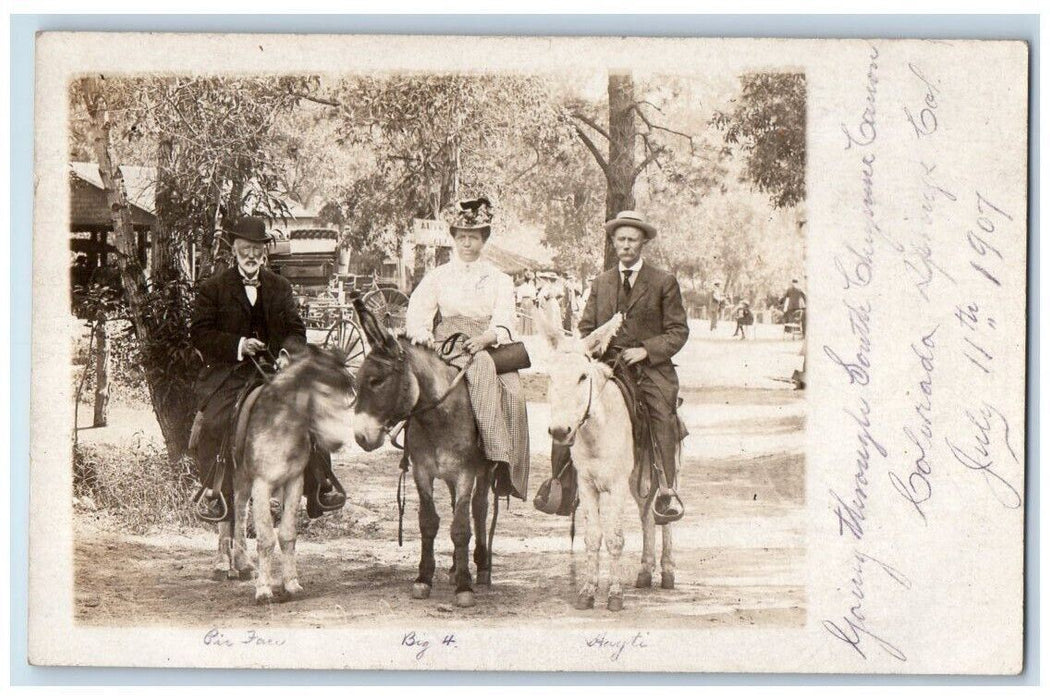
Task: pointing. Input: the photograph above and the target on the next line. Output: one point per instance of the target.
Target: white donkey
(589, 413)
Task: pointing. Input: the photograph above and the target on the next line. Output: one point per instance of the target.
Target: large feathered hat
(472, 215)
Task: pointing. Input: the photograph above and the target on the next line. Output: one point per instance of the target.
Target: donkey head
(576, 376)
(324, 390)
(387, 389)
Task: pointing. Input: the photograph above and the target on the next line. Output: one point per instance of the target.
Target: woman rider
(470, 295)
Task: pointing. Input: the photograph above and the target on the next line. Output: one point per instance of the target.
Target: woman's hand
(480, 342)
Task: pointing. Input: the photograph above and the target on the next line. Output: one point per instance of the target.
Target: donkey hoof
(644, 580)
(584, 602)
(484, 578)
(263, 595)
(465, 599)
(667, 580)
(420, 591)
(615, 603)
(293, 588)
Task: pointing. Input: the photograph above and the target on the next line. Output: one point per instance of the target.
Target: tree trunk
(170, 411)
(101, 373)
(168, 258)
(619, 194)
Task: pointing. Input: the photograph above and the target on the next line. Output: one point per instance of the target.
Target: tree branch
(646, 102)
(657, 127)
(593, 149)
(318, 100)
(527, 170)
(591, 123)
(651, 158)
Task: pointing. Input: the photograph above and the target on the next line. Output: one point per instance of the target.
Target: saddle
(243, 412)
(641, 428)
(218, 484)
(558, 494)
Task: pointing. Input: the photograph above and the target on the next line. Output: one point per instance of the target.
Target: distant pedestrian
(716, 304)
(793, 301)
(744, 318)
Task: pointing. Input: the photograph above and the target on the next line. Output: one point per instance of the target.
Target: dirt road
(739, 550)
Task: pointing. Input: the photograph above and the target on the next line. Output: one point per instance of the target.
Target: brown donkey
(402, 381)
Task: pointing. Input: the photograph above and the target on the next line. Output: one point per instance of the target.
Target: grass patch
(136, 483)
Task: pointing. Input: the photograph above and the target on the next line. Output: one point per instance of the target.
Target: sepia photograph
(529, 354)
(332, 328)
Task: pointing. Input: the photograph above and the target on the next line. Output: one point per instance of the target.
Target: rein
(617, 366)
(401, 496)
(587, 411)
(263, 373)
(417, 410)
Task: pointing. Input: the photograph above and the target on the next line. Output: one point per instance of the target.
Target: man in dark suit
(245, 312)
(792, 301)
(653, 331)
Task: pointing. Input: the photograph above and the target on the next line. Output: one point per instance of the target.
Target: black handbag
(510, 357)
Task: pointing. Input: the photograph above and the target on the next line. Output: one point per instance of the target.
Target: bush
(136, 483)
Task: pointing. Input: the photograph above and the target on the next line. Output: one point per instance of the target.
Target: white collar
(633, 268)
(459, 263)
(244, 275)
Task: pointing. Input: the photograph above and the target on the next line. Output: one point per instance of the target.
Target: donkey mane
(313, 359)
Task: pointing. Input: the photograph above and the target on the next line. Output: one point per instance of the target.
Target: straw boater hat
(472, 215)
(250, 228)
(630, 218)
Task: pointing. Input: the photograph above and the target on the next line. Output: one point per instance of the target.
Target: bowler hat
(472, 215)
(250, 228)
(630, 218)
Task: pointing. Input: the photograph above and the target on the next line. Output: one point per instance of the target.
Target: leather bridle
(401, 421)
(590, 401)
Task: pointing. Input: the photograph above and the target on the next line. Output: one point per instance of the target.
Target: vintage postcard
(534, 354)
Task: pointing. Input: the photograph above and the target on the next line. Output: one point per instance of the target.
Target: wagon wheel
(346, 336)
(388, 306)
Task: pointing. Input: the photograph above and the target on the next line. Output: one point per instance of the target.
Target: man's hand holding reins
(632, 356)
(251, 346)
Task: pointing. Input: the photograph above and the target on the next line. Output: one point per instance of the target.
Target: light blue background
(23, 28)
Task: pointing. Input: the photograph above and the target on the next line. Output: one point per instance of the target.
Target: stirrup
(202, 509)
(667, 517)
(337, 490)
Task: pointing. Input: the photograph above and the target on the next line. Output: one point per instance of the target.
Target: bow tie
(253, 282)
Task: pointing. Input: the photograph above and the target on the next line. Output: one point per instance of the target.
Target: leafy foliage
(434, 138)
(213, 143)
(769, 124)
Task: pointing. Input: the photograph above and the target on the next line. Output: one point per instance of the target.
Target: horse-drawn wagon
(336, 324)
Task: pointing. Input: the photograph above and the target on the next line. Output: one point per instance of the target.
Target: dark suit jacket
(654, 317)
(795, 297)
(222, 316)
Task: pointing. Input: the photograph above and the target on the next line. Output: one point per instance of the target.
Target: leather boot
(324, 493)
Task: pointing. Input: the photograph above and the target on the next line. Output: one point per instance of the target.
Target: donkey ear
(547, 330)
(598, 340)
(376, 335)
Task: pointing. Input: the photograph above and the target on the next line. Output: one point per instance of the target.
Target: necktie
(627, 282)
(253, 282)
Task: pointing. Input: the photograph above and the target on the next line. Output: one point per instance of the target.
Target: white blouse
(477, 290)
